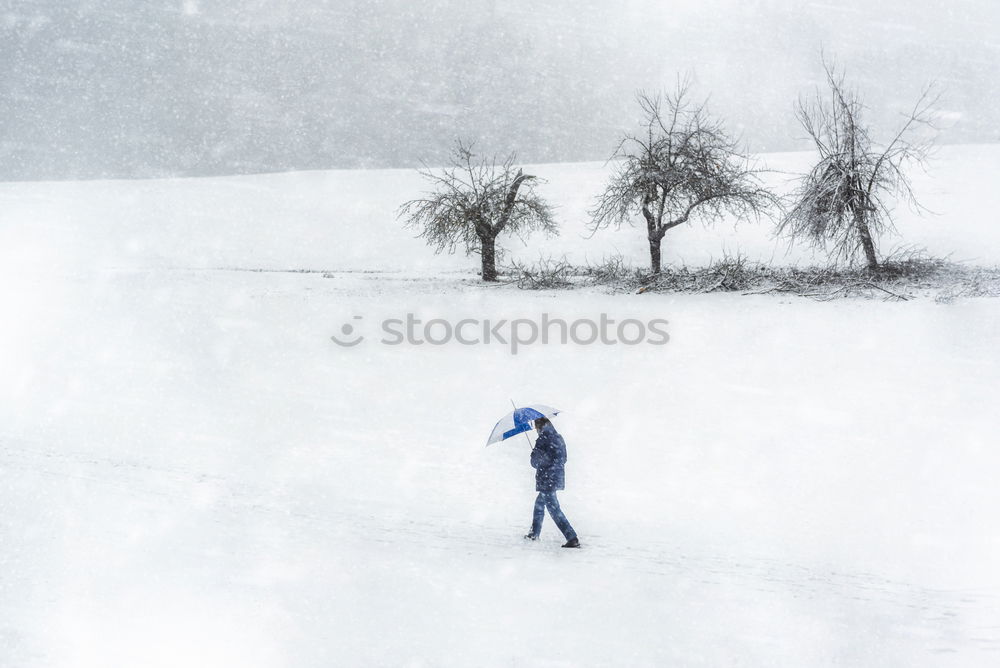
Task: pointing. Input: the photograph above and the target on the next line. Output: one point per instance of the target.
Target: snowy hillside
(193, 474)
(346, 221)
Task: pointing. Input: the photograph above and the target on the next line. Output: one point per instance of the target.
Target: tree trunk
(654, 256)
(489, 270)
(652, 233)
(867, 243)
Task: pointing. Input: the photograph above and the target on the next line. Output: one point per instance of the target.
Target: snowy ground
(193, 474)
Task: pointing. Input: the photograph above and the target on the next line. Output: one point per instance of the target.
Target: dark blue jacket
(548, 458)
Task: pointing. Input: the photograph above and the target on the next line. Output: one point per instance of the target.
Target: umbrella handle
(524, 432)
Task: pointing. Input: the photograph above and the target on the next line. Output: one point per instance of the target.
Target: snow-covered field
(193, 474)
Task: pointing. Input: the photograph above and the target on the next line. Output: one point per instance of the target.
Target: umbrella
(519, 420)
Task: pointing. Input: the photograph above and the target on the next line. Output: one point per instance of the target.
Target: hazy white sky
(115, 87)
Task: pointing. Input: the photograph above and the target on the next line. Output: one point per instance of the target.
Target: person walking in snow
(548, 458)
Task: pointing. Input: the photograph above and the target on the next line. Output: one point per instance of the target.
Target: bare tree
(843, 203)
(683, 167)
(473, 201)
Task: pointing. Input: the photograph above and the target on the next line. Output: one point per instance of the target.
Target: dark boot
(530, 536)
(572, 542)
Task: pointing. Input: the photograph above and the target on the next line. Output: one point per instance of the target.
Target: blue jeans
(549, 500)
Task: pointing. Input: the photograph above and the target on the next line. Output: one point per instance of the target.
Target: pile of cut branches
(546, 274)
(899, 278)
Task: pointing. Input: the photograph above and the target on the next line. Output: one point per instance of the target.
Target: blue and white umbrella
(519, 421)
